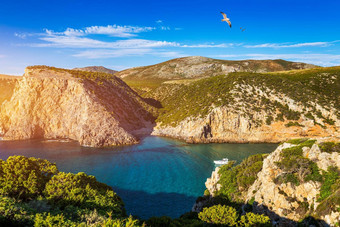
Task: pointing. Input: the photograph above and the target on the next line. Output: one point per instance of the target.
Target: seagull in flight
(226, 19)
(242, 29)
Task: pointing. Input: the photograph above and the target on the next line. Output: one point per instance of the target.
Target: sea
(158, 177)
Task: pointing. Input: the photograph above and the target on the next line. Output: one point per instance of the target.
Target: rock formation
(95, 109)
(288, 203)
(198, 67)
(96, 69)
(226, 125)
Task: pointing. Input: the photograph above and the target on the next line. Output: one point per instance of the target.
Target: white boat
(222, 162)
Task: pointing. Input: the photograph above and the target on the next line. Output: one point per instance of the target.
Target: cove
(157, 177)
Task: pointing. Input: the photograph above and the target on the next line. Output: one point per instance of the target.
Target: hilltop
(96, 109)
(149, 77)
(100, 69)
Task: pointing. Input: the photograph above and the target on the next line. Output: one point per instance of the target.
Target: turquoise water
(157, 177)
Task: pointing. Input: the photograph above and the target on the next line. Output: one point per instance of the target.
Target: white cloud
(165, 28)
(223, 45)
(159, 21)
(117, 31)
(285, 45)
(317, 59)
(83, 42)
(111, 30)
(20, 35)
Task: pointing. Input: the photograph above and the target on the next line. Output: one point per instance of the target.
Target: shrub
(161, 221)
(254, 220)
(297, 168)
(269, 120)
(218, 214)
(329, 121)
(25, 178)
(14, 213)
(126, 222)
(293, 123)
(42, 220)
(330, 184)
(297, 141)
(82, 191)
(236, 179)
(330, 147)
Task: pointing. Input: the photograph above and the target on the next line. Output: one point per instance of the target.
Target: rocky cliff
(96, 109)
(198, 67)
(245, 107)
(300, 179)
(7, 84)
(100, 69)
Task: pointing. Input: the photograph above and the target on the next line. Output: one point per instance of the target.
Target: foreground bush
(226, 215)
(34, 193)
(25, 178)
(251, 219)
(218, 214)
(82, 191)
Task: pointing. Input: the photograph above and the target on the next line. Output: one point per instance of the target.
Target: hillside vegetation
(282, 95)
(150, 77)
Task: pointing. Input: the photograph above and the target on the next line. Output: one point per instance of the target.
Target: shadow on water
(157, 204)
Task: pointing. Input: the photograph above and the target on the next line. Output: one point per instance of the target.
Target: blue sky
(129, 33)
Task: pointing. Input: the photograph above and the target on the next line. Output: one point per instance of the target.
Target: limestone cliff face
(223, 124)
(54, 104)
(212, 183)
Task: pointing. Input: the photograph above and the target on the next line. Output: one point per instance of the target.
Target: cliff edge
(96, 109)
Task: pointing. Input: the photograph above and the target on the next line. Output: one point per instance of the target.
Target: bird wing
(228, 21)
(224, 15)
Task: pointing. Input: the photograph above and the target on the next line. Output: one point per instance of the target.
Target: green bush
(293, 123)
(47, 220)
(330, 147)
(224, 215)
(269, 120)
(297, 141)
(82, 191)
(126, 222)
(235, 180)
(15, 213)
(43, 197)
(297, 168)
(254, 220)
(25, 178)
(330, 184)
